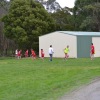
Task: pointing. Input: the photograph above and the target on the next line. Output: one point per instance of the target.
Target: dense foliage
(64, 19)
(87, 15)
(26, 21)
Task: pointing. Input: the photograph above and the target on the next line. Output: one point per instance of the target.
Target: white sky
(63, 3)
(67, 3)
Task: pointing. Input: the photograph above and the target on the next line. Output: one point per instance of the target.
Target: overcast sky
(63, 3)
(68, 3)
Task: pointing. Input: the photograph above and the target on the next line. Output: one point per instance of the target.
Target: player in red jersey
(42, 54)
(33, 54)
(26, 53)
(19, 54)
(92, 51)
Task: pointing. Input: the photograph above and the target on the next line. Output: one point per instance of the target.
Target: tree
(26, 21)
(50, 5)
(64, 19)
(5, 43)
(4, 4)
(87, 15)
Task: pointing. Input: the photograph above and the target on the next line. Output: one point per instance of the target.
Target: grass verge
(26, 79)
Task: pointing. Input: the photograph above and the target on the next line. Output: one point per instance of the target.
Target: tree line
(23, 21)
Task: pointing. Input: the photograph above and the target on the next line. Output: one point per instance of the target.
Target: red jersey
(33, 53)
(42, 53)
(26, 53)
(19, 53)
(92, 49)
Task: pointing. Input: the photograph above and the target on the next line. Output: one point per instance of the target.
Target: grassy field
(36, 80)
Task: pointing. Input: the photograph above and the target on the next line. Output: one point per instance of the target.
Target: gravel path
(88, 92)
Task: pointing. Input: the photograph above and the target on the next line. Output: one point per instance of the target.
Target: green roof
(78, 33)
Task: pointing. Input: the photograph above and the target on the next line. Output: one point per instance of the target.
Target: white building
(79, 43)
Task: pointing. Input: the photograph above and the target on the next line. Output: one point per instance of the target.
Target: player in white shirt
(51, 52)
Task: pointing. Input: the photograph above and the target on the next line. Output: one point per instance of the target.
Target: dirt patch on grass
(90, 91)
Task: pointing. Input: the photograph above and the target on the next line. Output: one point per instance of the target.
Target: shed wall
(59, 41)
(96, 42)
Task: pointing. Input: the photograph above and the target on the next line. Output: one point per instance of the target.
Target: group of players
(18, 54)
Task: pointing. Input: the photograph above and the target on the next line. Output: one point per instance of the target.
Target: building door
(83, 46)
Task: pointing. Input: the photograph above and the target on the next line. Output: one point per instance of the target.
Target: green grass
(36, 80)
